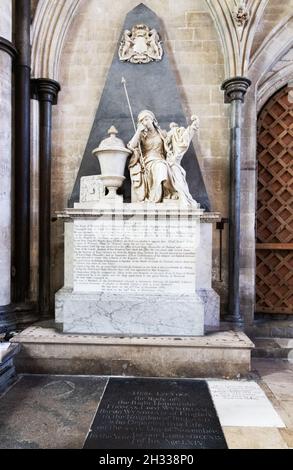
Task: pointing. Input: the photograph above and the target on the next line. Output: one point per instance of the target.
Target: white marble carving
(112, 155)
(91, 188)
(155, 166)
(243, 404)
(211, 305)
(141, 45)
(134, 314)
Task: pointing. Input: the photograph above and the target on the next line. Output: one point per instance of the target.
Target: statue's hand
(140, 128)
(194, 123)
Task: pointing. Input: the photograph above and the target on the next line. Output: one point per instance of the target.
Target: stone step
(217, 354)
(281, 348)
(272, 329)
(7, 368)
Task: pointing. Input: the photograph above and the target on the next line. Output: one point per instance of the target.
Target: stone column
(7, 54)
(235, 90)
(46, 91)
(25, 310)
(22, 152)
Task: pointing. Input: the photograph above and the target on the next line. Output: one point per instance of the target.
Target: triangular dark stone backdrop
(150, 86)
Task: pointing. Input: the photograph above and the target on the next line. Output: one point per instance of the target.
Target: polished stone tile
(49, 411)
(254, 438)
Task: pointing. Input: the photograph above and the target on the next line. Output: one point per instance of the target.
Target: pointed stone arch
(236, 40)
(50, 25)
(264, 84)
(274, 82)
(277, 43)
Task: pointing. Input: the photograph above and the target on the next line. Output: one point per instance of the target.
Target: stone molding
(45, 89)
(237, 41)
(204, 217)
(51, 23)
(273, 83)
(278, 43)
(8, 47)
(235, 88)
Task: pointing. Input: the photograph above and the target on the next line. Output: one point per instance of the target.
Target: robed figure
(155, 166)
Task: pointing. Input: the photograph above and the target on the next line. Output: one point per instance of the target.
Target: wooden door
(274, 218)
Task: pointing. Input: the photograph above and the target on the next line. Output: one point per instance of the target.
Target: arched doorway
(274, 218)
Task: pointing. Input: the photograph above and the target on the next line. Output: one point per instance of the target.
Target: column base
(231, 319)
(26, 314)
(17, 316)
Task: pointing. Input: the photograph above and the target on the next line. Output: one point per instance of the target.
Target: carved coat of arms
(140, 45)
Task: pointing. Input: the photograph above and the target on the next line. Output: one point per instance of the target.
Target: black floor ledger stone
(156, 414)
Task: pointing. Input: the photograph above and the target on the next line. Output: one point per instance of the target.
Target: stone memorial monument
(139, 261)
(137, 296)
(131, 268)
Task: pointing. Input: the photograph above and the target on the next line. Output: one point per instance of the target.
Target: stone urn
(112, 154)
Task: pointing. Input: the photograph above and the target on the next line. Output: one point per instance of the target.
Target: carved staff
(123, 81)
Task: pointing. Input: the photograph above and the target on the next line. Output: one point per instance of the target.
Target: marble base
(211, 305)
(137, 269)
(131, 314)
(46, 350)
(209, 298)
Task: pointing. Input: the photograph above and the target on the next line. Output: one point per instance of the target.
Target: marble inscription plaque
(243, 404)
(134, 256)
(156, 414)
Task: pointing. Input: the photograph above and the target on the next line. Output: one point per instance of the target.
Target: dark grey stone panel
(49, 412)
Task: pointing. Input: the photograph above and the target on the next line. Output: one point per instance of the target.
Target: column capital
(235, 88)
(45, 89)
(8, 47)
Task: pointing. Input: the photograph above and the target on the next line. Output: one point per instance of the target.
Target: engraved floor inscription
(156, 414)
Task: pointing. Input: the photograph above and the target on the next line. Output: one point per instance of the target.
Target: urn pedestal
(112, 155)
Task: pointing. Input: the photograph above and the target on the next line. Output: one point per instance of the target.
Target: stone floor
(275, 376)
(43, 411)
